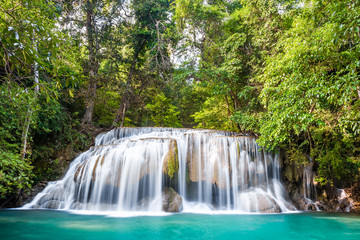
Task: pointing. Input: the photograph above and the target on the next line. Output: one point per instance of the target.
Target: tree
(149, 60)
(36, 59)
(311, 90)
(232, 40)
(92, 22)
(163, 114)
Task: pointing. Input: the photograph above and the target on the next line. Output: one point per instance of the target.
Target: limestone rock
(171, 161)
(171, 201)
(196, 164)
(293, 172)
(267, 205)
(52, 204)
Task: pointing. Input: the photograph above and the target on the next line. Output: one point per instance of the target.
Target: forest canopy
(284, 71)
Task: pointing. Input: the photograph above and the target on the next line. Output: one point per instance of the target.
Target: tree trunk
(30, 110)
(90, 103)
(125, 101)
(234, 97)
(25, 133)
(120, 114)
(93, 65)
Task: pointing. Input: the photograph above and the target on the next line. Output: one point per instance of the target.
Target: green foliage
(187, 95)
(29, 38)
(107, 103)
(311, 89)
(163, 114)
(15, 103)
(14, 173)
(38, 64)
(338, 164)
(284, 71)
(213, 116)
(171, 159)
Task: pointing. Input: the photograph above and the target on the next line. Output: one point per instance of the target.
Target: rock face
(52, 201)
(302, 189)
(307, 204)
(171, 160)
(354, 193)
(27, 196)
(343, 201)
(299, 181)
(172, 201)
(267, 205)
(259, 202)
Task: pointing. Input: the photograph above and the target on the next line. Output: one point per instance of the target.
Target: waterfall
(308, 182)
(309, 188)
(129, 168)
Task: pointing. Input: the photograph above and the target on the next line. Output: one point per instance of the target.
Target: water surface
(44, 224)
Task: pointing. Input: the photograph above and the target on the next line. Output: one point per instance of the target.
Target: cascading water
(309, 187)
(129, 169)
(308, 182)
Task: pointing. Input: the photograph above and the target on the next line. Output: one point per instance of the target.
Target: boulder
(267, 205)
(171, 201)
(309, 205)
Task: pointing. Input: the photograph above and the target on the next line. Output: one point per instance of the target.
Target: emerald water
(45, 224)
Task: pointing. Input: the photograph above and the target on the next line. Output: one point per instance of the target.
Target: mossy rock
(171, 161)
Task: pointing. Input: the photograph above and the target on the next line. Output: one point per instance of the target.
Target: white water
(309, 187)
(123, 172)
(308, 182)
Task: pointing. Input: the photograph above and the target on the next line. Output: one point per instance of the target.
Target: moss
(171, 161)
(238, 148)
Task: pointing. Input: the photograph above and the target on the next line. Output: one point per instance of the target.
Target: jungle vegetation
(285, 71)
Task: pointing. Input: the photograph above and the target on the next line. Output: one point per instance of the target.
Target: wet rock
(341, 202)
(290, 206)
(345, 205)
(320, 206)
(353, 194)
(311, 207)
(27, 195)
(267, 205)
(198, 165)
(53, 204)
(79, 169)
(172, 201)
(307, 204)
(289, 173)
(53, 199)
(171, 160)
(76, 205)
(44, 199)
